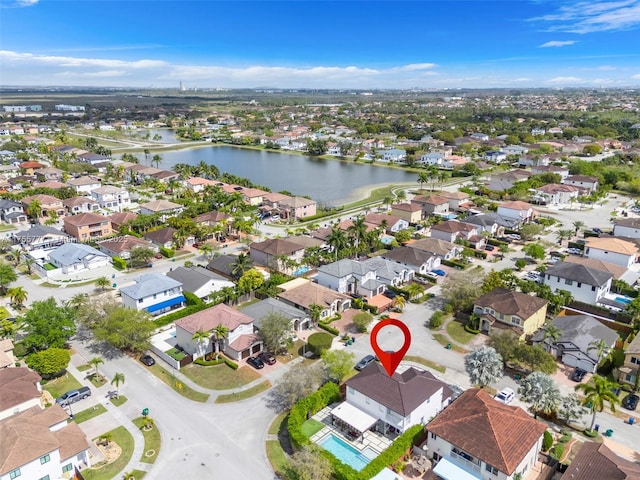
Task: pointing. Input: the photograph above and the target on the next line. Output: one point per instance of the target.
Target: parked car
(147, 360)
(439, 272)
(195, 245)
(366, 360)
(597, 230)
(158, 256)
(390, 294)
(574, 251)
(630, 402)
(556, 254)
(489, 248)
(505, 396)
(268, 358)
(255, 362)
(578, 375)
(72, 396)
(431, 275)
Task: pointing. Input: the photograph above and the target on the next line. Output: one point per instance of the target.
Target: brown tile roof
(86, 219)
(595, 461)
(305, 242)
(160, 205)
(162, 235)
(433, 245)
(276, 246)
(77, 201)
(612, 244)
(207, 320)
(498, 434)
(430, 200)
(517, 205)
(309, 293)
(406, 207)
(243, 342)
(42, 198)
(634, 346)
(378, 218)
(408, 255)
(212, 217)
(18, 385)
(402, 393)
(121, 218)
(452, 226)
(125, 244)
(509, 302)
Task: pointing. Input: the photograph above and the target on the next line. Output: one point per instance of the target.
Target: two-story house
(84, 185)
(390, 405)
(504, 181)
(485, 222)
(162, 237)
(163, 208)
(417, 260)
(153, 292)
(48, 203)
(432, 205)
(201, 282)
(613, 250)
(297, 207)
(12, 212)
(439, 248)
(387, 223)
(478, 437)
(240, 342)
(410, 212)
(584, 182)
(87, 226)
(453, 230)
(457, 200)
(111, 197)
(630, 369)
(521, 212)
(20, 389)
(507, 309)
(303, 294)
(274, 252)
(76, 205)
(585, 284)
(73, 258)
(300, 319)
(557, 193)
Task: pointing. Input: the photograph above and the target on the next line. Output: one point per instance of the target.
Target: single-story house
(258, 311)
(77, 257)
(122, 246)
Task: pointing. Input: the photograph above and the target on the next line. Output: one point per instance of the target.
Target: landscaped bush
(192, 299)
(362, 321)
(167, 252)
(565, 438)
(590, 433)
(495, 242)
(208, 363)
(547, 441)
(119, 263)
(557, 451)
(231, 364)
(320, 341)
(328, 328)
(436, 319)
(327, 394)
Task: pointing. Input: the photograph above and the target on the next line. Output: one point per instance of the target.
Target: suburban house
(73, 258)
(20, 389)
(84, 185)
(457, 200)
(584, 182)
(153, 292)
(597, 461)
(439, 248)
(485, 222)
(618, 271)
(87, 226)
(213, 219)
(76, 205)
(504, 309)
(515, 150)
(225, 265)
(577, 335)
(453, 230)
(433, 158)
(390, 405)
(540, 169)
(50, 173)
(410, 212)
(163, 208)
(613, 250)
(7, 358)
(241, 341)
(388, 223)
(124, 245)
(494, 156)
(417, 260)
(585, 284)
(477, 437)
(521, 212)
(557, 193)
(30, 168)
(630, 369)
(297, 207)
(504, 181)
(40, 236)
(201, 282)
(162, 237)
(110, 197)
(303, 294)
(12, 212)
(257, 311)
(393, 155)
(622, 227)
(118, 219)
(432, 204)
(47, 203)
(275, 253)
(41, 444)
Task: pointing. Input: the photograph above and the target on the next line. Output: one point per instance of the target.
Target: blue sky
(320, 44)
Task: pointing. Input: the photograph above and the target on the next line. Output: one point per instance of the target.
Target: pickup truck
(72, 396)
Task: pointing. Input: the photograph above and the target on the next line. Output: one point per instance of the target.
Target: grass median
(184, 390)
(152, 441)
(244, 394)
(219, 377)
(111, 470)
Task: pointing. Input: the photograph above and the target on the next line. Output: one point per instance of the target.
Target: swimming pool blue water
(301, 271)
(345, 452)
(625, 300)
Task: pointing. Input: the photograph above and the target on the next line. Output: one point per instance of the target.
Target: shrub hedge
(192, 299)
(119, 263)
(318, 342)
(454, 264)
(327, 394)
(328, 328)
(547, 441)
(167, 252)
(172, 317)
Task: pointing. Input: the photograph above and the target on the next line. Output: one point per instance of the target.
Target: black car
(268, 358)
(489, 248)
(366, 360)
(255, 362)
(147, 360)
(390, 294)
(630, 402)
(578, 375)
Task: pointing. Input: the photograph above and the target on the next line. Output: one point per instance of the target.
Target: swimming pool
(625, 300)
(300, 271)
(346, 453)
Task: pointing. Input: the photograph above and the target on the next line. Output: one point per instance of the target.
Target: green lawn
(111, 470)
(219, 377)
(137, 474)
(293, 352)
(62, 385)
(175, 354)
(457, 332)
(119, 400)
(177, 385)
(152, 441)
(244, 394)
(84, 368)
(426, 363)
(310, 427)
(276, 455)
(278, 423)
(444, 340)
(97, 380)
(89, 413)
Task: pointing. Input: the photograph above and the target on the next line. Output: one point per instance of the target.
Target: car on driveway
(366, 360)
(390, 294)
(489, 248)
(630, 402)
(506, 396)
(268, 358)
(72, 396)
(148, 360)
(439, 272)
(578, 375)
(255, 362)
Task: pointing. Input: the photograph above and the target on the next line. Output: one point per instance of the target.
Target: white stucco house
(153, 292)
(519, 211)
(76, 257)
(201, 282)
(111, 198)
(626, 227)
(584, 283)
(419, 261)
(613, 250)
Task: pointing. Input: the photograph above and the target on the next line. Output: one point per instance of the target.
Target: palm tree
(157, 159)
(17, 255)
(28, 261)
(140, 256)
(337, 240)
(562, 234)
(102, 283)
(117, 379)
(34, 210)
(358, 230)
(401, 195)
(551, 332)
(315, 311)
(219, 334)
(423, 177)
(577, 225)
(94, 362)
(387, 201)
(601, 348)
(399, 302)
(597, 392)
(241, 265)
(7, 276)
(201, 337)
(414, 290)
(18, 296)
(77, 301)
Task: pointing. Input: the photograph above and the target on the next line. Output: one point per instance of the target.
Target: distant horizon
(321, 45)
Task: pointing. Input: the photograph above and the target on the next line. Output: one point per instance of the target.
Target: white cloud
(19, 4)
(557, 43)
(600, 16)
(565, 80)
(636, 76)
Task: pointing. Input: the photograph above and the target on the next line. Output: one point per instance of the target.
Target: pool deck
(370, 440)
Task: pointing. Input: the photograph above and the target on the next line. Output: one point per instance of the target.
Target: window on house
(44, 459)
(579, 284)
(635, 360)
(433, 436)
(388, 411)
(14, 474)
(568, 282)
(492, 469)
(593, 288)
(140, 300)
(67, 468)
(515, 320)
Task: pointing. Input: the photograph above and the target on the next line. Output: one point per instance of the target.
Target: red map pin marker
(390, 360)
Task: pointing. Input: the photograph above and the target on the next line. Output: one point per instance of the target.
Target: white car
(505, 396)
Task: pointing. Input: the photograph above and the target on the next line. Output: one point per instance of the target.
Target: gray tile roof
(408, 256)
(579, 273)
(194, 278)
(261, 309)
(224, 264)
(149, 284)
(343, 267)
(38, 231)
(72, 253)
